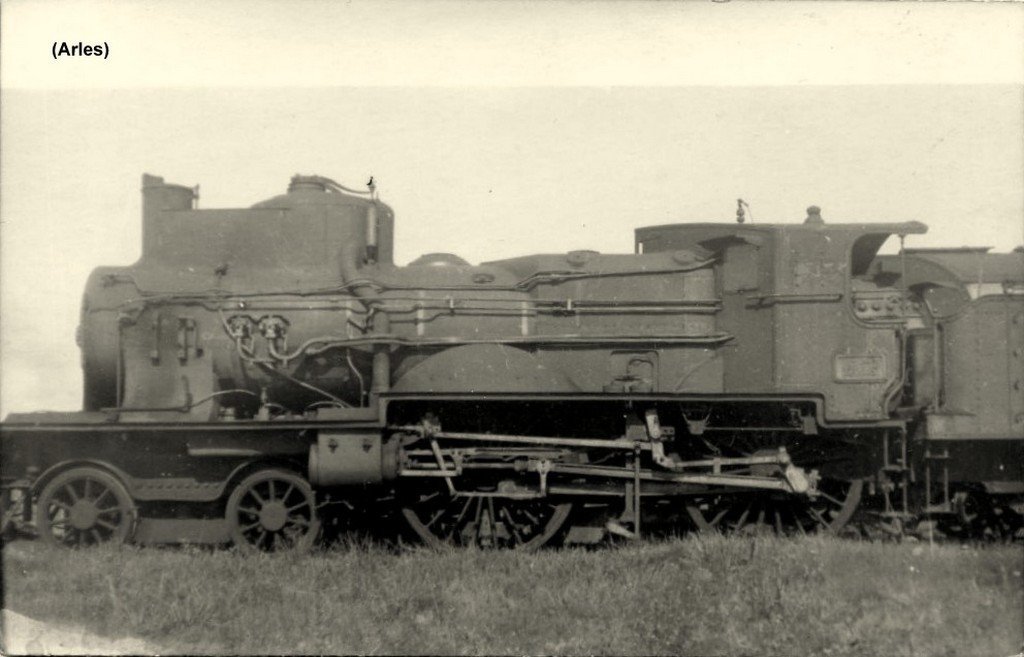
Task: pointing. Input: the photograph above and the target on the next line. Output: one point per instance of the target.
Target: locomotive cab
(805, 319)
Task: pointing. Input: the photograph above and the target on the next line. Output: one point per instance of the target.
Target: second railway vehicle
(257, 366)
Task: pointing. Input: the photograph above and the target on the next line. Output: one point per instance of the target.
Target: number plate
(859, 369)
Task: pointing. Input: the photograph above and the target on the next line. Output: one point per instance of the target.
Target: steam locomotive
(260, 370)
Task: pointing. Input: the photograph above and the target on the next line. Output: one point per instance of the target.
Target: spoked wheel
(85, 506)
(273, 510)
(439, 519)
(829, 512)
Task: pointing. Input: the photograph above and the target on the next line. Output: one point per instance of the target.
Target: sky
(493, 130)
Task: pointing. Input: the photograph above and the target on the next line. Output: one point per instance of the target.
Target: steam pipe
(381, 379)
(371, 233)
(381, 322)
(362, 288)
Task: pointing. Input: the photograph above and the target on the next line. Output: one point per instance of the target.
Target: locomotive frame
(728, 376)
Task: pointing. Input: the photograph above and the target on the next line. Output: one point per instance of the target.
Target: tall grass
(702, 595)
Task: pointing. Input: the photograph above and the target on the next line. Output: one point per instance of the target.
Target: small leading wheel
(273, 510)
(440, 519)
(829, 512)
(85, 506)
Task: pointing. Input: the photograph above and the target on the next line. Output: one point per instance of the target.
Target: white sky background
(493, 129)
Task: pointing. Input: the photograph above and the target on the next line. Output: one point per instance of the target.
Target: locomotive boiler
(258, 368)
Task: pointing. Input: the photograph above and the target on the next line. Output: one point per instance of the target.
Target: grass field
(696, 595)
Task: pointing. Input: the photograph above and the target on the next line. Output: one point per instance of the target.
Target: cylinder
(352, 459)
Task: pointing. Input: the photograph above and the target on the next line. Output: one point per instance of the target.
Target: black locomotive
(257, 368)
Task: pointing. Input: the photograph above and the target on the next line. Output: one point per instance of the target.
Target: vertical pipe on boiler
(380, 328)
(371, 233)
(381, 378)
